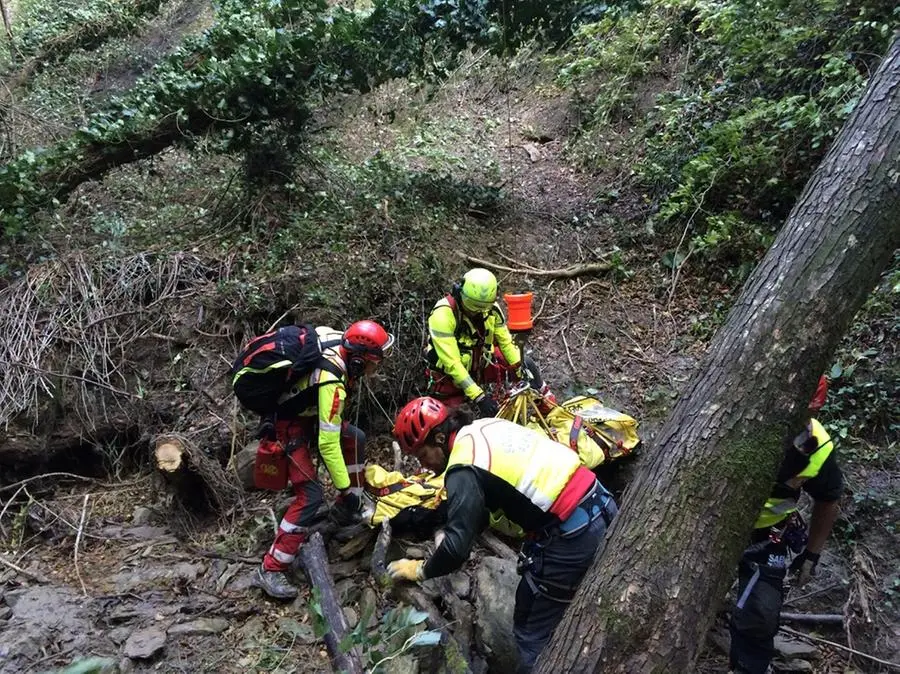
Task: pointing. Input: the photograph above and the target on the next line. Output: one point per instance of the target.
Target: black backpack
(272, 363)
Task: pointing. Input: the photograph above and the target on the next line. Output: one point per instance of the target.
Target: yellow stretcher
(598, 433)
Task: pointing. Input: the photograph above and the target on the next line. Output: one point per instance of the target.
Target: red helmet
(369, 340)
(416, 420)
(818, 399)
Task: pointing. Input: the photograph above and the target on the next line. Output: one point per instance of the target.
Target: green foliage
(607, 57)
(763, 89)
(865, 377)
(257, 72)
(94, 665)
(38, 30)
(398, 631)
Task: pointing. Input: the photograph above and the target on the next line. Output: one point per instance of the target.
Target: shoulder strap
(326, 364)
(453, 302)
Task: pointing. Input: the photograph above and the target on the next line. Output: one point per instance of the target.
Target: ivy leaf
(428, 638)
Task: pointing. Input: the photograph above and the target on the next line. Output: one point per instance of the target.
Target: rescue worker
(310, 417)
(494, 464)
(470, 346)
(809, 464)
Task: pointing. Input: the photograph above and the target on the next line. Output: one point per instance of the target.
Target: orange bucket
(519, 305)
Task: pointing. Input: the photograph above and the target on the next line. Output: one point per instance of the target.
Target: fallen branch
(379, 554)
(496, 546)
(99, 483)
(87, 498)
(18, 569)
(567, 272)
(809, 637)
(816, 618)
(314, 559)
(794, 600)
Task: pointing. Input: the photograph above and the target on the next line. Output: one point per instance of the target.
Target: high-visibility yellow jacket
(548, 475)
(462, 345)
(327, 405)
(776, 510)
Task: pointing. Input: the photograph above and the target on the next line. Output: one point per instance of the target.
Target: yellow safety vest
(536, 466)
(454, 339)
(777, 509)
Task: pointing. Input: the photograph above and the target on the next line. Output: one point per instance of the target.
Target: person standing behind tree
(470, 345)
(810, 465)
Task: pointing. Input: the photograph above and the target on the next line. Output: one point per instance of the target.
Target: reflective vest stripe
(273, 366)
(777, 509)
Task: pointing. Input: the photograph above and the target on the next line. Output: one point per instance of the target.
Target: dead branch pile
(70, 326)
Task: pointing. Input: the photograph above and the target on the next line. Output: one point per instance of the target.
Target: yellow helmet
(478, 291)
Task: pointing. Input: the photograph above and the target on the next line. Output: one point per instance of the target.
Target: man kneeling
(494, 464)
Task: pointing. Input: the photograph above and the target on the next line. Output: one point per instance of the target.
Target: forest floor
(106, 567)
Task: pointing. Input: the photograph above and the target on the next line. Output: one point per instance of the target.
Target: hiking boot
(275, 584)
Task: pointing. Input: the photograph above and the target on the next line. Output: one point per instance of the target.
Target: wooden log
(198, 482)
(314, 559)
(496, 546)
(814, 618)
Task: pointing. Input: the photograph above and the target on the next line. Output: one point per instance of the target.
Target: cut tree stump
(198, 482)
(314, 559)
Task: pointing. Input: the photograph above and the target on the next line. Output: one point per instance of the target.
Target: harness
(481, 335)
(593, 506)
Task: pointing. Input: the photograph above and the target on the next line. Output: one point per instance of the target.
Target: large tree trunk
(650, 598)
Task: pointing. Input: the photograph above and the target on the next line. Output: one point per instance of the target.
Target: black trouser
(557, 564)
(754, 620)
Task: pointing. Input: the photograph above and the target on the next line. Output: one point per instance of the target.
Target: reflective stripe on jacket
(328, 408)
(543, 471)
(777, 509)
(456, 340)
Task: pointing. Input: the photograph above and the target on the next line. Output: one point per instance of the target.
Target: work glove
(347, 509)
(407, 569)
(804, 565)
(266, 428)
(487, 406)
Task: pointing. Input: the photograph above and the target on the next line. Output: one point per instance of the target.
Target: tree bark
(315, 562)
(7, 26)
(651, 596)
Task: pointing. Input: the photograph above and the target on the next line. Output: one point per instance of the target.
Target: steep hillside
(177, 177)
